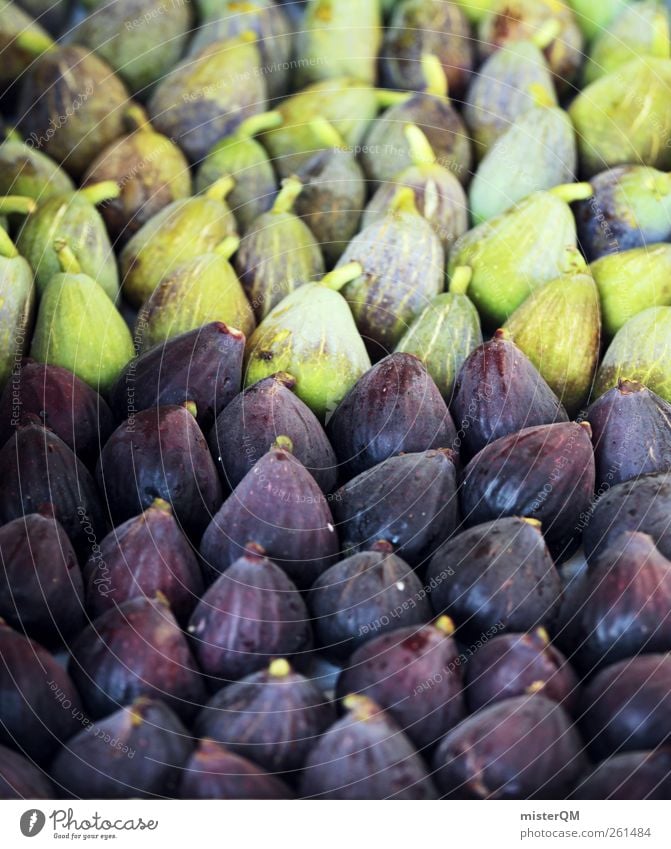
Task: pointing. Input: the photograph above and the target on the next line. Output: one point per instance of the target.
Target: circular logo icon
(32, 822)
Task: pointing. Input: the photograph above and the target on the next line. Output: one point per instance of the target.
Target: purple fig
(631, 775)
(22, 779)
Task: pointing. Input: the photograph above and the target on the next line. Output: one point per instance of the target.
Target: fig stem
(256, 124)
(543, 634)
(535, 687)
(7, 247)
(33, 42)
(137, 118)
(12, 134)
(386, 97)
(533, 522)
(419, 147)
(162, 505)
(220, 188)
(461, 280)
(503, 333)
(445, 624)
(191, 407)
(283, 443)
(100, 192)
(279, 668)
(326, 133)
(546, 33)
(569, 192)
(286, 197)
(68, 261)
(247, 37)
(403, 201)
(361, 707)
(228, 246)
(541, 96)
(434, 74)
(18, 204)
(574, 261)
(339, 277)
(659, 43)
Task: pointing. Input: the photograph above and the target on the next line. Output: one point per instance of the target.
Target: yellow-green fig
(17, 305)
(26, 171)
(593, 16)
(22, 40)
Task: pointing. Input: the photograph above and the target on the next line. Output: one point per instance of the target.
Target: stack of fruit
(335, 425)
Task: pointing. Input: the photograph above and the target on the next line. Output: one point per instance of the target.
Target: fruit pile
(335, 415)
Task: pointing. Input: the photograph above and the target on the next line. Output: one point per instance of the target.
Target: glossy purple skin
(498, 392)
(249, 615)
(134, 650)
(279, 506)
(144, 761)
(395, 407)
(520, 748)
(203, 366)
(22, 779)
(274, 721)
(632, 775)
(415, 675)
(160, 453)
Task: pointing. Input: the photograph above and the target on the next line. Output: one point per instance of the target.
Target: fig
(144, 758)
(17, 309)
(20, 778)
(544, 472)
(278, 253)
(160, 453)
(511, 665)
(626, 706)
(631, 775)
(273, 717)
(22, 41)
(40, 706)
(27, 172)
(255, 418)
(135, 649)
(214, 772)
(278, 505)
(71, 125)
(520, 748)
(496, 576)
(367, 594)
(365, 755)
(498, 392)
(414, 674)
(395, 407)
(445, 333)
(409, 500)
(41, 588)
(203, 366)
(594, 16)
(143, 556)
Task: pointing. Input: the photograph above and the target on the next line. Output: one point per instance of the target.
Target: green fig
(339, 38)
(311, 335)
(593, 16)
(475, 10)
(181, 231)
(79, 328)
(73, 217)
(641, 351)
(197, 292)
(515, 252)
(17, 305)
(558, 327)
(208, 95)
(278, 253)
(624, 117)
(402, 269)
(150, 170)
(22, 40)
(26, 171)
(444, 333)
(439, 196)
(72, 105)
(141, 39)
(632, 281)
(246, 160)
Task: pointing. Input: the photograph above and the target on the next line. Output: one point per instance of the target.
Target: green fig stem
(588, 427)
(434, 74)
(546, 33)
(341, 276)
(17, 204)
(541, 96)
(68, 261)
(7, 247)
(256, 124)
(419, 147)
(403, 201)
(162, 598)
(570, 192)
(12, 134)
(190, 407)
(247, 37)
(543, 634)
(326, 133)
(100, 192)
(535, 687)
(33, 42)
(136, 118)
(162, 505)
(461, 280)
(279, 668)
(533, 522)
(445, 624)
(361, 707)
(283, 443)
(221, 188)
(286, 197)
(227, 247)
(386, 97)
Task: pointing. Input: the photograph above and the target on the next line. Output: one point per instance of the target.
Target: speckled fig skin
(32, 718)
(256, 417)
(494, 577)
(631, 775)
(409, 500)
(152, 747)
(133, 650)
(22, 779)
(249, 615)
(214, 772)
(520, 748)
(274, 717)
(278, 505)
(17, 307)
(415, 675)
(395, 407)
(365, 755)
(27, 172)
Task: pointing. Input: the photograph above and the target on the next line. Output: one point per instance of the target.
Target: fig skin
(22, 779)
(496, 576)
(214, 772)
(499, 392)
(631, 433)
(279, 506)
(273, 717)
(256, 417)
(160, 453)
(520, 748)
(409, 500)
(365, 755)
(395, 407)
(544, 472)
(626, 707)
(39, 704)
(415, 675)
(27, 172)
(366, 594)
(249, 615)
(512, 665)
(143, 760)
(203, 366)
(146, 555)
(631, 775)
(133, 650)
(41, 587)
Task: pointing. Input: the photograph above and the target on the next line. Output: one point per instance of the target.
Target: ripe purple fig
(22, 779)
(631, 775)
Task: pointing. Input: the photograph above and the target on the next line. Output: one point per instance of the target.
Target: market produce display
(335, 399)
